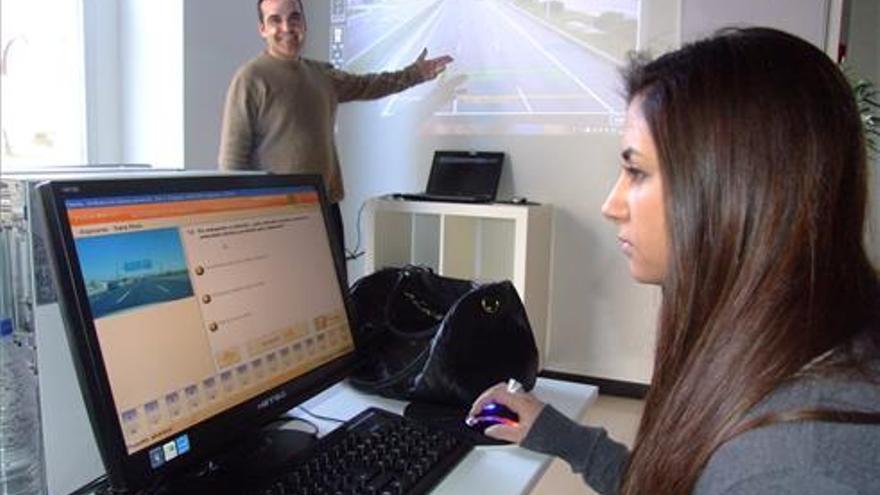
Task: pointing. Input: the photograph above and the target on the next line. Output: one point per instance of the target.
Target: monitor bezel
(132, 472)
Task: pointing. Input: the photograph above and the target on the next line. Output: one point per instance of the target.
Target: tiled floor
(617, 415)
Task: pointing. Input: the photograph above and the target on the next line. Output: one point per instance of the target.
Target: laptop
(461, 177)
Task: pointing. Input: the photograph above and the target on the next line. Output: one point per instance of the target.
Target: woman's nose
(614, 207)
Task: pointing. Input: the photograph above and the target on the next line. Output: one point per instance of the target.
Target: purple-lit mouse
(493, 413)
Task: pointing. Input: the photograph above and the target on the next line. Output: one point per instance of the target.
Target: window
(43, 84)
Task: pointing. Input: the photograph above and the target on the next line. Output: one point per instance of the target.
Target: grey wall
(864, 38)
(601, 323)
(864, 60)
(806, 18)
(218, 37)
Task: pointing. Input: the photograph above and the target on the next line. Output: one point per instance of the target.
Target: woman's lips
(625, 246)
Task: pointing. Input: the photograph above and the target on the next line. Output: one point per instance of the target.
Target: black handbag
(437, 339)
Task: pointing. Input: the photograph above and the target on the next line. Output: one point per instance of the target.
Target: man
(281, 108)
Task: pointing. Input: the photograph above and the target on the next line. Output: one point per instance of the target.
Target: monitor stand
(255, 458)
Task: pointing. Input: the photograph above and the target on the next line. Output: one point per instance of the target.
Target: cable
(357, 253)
(318, 416)
(315, 428)
(286, 418)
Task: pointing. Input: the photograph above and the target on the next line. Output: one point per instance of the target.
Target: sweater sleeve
(350, 86)
(237, 138)
(589, 451)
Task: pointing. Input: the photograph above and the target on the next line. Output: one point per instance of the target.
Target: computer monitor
(197, 309)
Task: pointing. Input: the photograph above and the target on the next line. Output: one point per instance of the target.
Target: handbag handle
(396, 289)
(396, 378)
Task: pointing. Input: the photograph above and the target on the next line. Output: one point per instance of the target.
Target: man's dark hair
(260, 9)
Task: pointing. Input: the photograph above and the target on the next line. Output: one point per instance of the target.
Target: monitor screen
(197, 309)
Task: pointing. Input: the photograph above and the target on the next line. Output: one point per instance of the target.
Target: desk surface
(496, 469)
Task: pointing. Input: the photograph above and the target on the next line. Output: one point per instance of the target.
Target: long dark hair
(762, 155)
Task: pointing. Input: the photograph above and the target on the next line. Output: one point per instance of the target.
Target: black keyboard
(374, 453)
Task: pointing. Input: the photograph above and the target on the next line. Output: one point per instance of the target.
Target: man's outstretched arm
(371, 86)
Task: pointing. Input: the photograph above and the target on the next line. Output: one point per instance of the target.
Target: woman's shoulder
(851, 390)
(844, 379)
(805, 456)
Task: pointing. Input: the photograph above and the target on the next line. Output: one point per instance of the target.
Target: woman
(743, 195)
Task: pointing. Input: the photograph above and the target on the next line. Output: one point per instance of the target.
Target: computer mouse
(519, 200)
(493, 413)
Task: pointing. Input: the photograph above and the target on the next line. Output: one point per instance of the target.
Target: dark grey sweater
(803, 458)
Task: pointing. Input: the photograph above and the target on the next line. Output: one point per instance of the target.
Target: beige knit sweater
(280, 115)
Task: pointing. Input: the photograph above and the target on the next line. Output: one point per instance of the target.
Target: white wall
(103, 82)
(151, 60)
(134, 74)
(601, 322)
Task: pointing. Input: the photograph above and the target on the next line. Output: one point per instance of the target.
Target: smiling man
(281, 107)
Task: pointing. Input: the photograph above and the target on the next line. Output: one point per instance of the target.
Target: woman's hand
(524, 404)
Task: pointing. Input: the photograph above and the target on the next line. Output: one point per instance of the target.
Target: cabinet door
(478, 248)
(401, 238)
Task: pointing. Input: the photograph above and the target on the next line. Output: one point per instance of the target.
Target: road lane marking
(430, 23)
(573, 39)
(124, 296)
(525, 34)
(525, 101)
(389, 34)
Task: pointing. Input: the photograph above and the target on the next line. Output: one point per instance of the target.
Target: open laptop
(462, 177)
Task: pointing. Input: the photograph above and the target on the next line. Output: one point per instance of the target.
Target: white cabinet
(484, 242)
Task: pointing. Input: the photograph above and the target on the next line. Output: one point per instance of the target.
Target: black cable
(287, 418)
(357, 253)
(315, 428)
(318, 416)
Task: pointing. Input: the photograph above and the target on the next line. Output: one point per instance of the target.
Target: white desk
(499, 470)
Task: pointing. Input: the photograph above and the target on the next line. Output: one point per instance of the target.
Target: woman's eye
(635, 174)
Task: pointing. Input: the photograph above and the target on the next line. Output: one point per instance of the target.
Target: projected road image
(521, 66)
(126, 271)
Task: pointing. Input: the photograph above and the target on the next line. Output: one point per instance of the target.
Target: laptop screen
(465, 173)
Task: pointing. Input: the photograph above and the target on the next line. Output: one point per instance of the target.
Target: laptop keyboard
(449, 198)
(374, 453)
